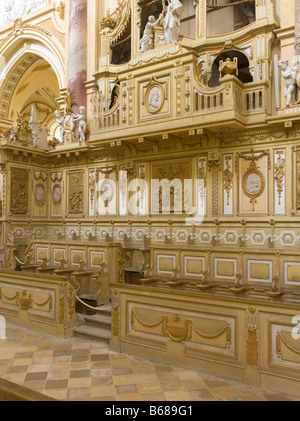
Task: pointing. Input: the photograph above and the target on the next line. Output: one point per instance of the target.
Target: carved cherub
(291, 77)
(60, 119)
(82, 126)
(12, 134)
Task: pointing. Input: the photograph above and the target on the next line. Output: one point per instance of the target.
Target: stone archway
(32, 75)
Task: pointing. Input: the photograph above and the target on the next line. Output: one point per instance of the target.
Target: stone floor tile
(101, 380)
(56, 384)
(134, 397)
(36, 385)
(146, 378)
(122, 371)
(36, 376)
(79, 394)
(126, 389)
(224, 392)
(201, 395)
(152, 397)
(124, 379)
(60, 395)
(177, 396)
(252, 398)
(102, 391)
(150, 387)
(58, 374)
(78, 369)
(275, 397)
(80, 383)
(76, 374)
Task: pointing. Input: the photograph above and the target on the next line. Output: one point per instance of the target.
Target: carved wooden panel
(19, 191)
(171, 198)
(76, 191)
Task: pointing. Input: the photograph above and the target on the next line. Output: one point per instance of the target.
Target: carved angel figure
(146, 43)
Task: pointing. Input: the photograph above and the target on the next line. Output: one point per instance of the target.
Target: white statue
(82, 126)
(61, 121)
(12, 134)
(290, 74)
(147, 40)
(171, 21)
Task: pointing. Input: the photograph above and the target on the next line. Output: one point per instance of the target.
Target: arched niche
(150, 8)
(121, 47)
(187, 18)
(244, 74)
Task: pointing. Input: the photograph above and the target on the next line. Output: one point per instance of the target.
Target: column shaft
(77, 58)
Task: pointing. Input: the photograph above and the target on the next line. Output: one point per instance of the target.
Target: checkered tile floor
(83, 370)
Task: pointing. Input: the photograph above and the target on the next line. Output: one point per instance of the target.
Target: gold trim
(278, 375)
(252, 348)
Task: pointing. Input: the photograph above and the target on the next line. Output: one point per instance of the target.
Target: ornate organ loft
(150, 166)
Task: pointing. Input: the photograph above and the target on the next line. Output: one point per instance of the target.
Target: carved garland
(228, 178)
(279, 338)
(279, 174)
(179, 332)
(25, 300)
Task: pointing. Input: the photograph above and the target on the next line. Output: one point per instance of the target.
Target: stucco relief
(14, 9)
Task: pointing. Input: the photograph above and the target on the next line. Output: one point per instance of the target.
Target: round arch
(34, 48)
(20, 51)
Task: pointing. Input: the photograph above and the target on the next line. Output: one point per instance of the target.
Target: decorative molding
(279, 181)
(228, 184)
